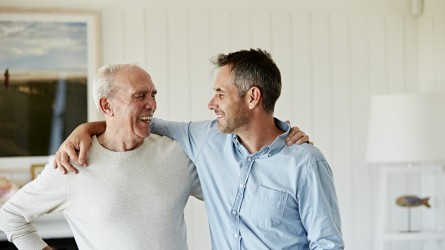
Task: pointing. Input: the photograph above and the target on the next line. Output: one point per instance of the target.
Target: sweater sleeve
(49, 192)
(196, 190)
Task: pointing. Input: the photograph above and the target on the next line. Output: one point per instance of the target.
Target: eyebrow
(155, 92)
(219, 90)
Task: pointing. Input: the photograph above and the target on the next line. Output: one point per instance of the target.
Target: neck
(261, 131)
(118, 141)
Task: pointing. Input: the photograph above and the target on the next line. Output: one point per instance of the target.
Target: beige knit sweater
(122, 200)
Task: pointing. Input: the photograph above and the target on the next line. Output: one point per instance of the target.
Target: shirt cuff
(30, 241)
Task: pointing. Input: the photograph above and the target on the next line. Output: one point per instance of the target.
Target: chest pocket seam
(268, 206)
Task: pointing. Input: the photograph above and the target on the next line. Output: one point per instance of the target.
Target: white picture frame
(18, 38)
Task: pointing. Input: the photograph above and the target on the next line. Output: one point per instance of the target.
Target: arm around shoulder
(76, 146)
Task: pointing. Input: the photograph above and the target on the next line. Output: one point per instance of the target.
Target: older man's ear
(105, 107)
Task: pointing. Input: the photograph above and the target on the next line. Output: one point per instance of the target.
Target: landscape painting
(45, 74)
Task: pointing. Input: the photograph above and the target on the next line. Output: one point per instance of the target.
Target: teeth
(145, 118)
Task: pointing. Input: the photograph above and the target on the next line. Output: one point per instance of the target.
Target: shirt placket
(235, 218)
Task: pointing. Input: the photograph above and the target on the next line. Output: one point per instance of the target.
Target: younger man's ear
(253, 97)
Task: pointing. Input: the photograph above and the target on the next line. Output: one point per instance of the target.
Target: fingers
(57, 163)
(297, 137)
(62, 158)
(66, 164)
(55, 160)
(83, 154)
(294, 134)
(69, 152)
(303, 139)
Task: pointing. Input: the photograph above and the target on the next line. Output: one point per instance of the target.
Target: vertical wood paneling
(301, 100)
(198, 235)
(239, 30)
(395, 54)
(439, 44)
(200, 66)
(321, 83)
(362, 212)
(426, 51)
(377, 55)
(179, 65)
(281, 45)
(341, 162)
(112, 32)
(411, 59)
(260, 29)
(219, 32)
(133, 27)
(157, 60)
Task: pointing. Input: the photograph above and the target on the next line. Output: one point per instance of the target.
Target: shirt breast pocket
(267, 207)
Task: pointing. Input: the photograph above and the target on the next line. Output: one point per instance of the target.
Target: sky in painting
(43, 46)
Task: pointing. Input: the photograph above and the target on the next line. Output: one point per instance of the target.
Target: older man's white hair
(104, 84)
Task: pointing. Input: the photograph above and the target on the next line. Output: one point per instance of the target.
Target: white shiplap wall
(333, 55)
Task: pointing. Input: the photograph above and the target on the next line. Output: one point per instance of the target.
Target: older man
(133, 195)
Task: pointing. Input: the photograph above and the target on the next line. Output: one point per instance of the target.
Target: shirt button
(233, 212)
(236, 235)
(269, 155)
(249, 159)
(241, 185)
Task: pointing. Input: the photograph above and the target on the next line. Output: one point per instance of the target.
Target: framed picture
(36, 169)
(47, 62)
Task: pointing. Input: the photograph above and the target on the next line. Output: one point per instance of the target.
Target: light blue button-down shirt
(277, 198)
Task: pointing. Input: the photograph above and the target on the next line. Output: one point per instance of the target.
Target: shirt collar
(268, 150)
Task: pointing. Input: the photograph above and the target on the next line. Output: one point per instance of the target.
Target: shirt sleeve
(46, 194)
(190, 135)
(319, 207)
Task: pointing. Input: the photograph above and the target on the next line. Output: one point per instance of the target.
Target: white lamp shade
(406, 128)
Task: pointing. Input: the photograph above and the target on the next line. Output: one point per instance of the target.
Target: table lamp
(405, 129)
